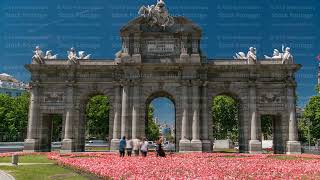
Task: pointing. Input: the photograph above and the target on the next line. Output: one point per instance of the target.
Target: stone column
(68, 142)
(116, 120)
(31, 143)
(135, 109)
(136, 57)
(124, 109)
(255, 145)
(196, 144)
(184, 144)
(195, 56)
(184, 57)
(293, 145)
(125, 49)
(206, 143)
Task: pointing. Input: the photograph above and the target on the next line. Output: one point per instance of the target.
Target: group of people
(138, 146)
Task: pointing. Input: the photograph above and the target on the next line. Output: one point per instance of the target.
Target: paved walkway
(5, 176)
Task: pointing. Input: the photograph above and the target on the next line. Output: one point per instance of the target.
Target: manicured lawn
(225, 150)
(284, 157)
(28, 159)
(42, 171)
(97, 148)
(31, 172)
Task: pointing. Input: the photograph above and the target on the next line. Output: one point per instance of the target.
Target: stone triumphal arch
(161, 55)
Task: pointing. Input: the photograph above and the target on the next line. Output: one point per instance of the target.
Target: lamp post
(309, 137)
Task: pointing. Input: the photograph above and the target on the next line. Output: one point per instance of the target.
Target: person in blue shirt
(122, 146)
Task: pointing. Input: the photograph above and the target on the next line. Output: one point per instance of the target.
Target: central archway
(160, 115)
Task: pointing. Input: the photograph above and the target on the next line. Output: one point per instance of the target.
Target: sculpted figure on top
(285, 57)
(157, 14)
(251, 56)
(72, 55)
(39, 57)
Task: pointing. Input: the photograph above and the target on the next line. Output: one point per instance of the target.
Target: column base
(206, 146)
(195, 58)
(196, 145)
(136, 58)
(255, 147)
(184, 145)
(31, 145)
(293, 147)
(184, 58)
(114, 145)
(67, 146)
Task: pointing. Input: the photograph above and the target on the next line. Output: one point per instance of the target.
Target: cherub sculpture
(72, 55)
(240, 55)
(82, 55)
(157, 15)
(50, 56)
(287, 58)
(276, 55)
(251, 55)
(38, 55)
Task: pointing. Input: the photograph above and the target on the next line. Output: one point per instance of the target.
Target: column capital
(116, 83)
(124, 83)
(205, 83)
(252, 83)
(136, 82)
(291, 84)
(185, 82)
(196, 82)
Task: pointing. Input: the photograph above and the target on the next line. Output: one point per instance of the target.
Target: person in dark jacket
(122, 146)
(160, 151)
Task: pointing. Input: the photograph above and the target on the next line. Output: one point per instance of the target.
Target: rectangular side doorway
(51, 132)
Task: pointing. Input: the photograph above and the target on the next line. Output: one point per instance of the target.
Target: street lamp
(309, 137)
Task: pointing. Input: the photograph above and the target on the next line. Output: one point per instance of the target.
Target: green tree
(152, 130)
(56, 127)
(5, 106)
(303, 130)
(266, 126)
(312, 113)
(225, 118)
(14, 117)
(97, 121)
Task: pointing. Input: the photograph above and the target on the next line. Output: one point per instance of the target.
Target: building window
(9, 93)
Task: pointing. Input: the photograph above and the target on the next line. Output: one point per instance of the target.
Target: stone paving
(5, 176)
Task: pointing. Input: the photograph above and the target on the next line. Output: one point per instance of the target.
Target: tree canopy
(13, 117)
(152, 130)
(97, 117)
(311, 114)
(225, 118)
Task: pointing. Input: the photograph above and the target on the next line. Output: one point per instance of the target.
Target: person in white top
(129, 147)
(136, 146)
(144, 147)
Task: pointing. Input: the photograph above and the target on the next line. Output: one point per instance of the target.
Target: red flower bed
(194, 166)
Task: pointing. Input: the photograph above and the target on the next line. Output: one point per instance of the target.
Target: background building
(11, 86)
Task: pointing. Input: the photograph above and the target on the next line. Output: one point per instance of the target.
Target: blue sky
(164, 110)
(228, 26)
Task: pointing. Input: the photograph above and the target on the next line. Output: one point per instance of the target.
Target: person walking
(129, 147)
(144, 148)
(122, 146)
(160, 151)
(136, 146)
